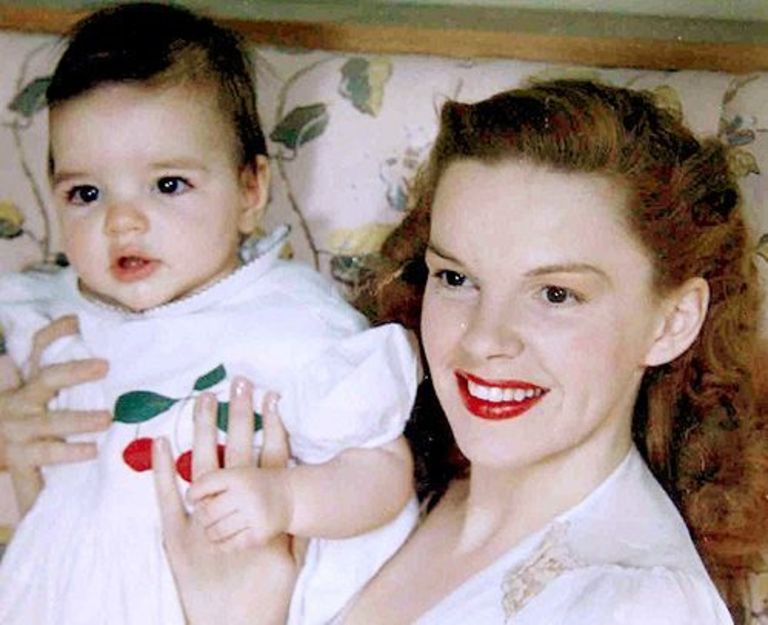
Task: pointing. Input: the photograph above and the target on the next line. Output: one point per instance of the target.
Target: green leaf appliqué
(212, 378)
(140, 406)
(222, 417)
(301, 125)
(31, 98)
(363, 81)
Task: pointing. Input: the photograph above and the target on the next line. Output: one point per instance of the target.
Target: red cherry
(184, 465)
(138, 454)
(184, 462)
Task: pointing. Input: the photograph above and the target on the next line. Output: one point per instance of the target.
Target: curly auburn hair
(695, 420)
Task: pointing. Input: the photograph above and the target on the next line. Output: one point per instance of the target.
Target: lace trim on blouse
(549, 561)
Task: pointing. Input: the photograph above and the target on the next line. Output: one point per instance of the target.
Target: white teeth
(496, 394)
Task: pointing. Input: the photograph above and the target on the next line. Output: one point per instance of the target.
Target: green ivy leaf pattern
(212, 378)
(222, 417)
(31, 98)
(762, 247)
(363, 81)
(140, 406)
(301, 125)
(11, 220)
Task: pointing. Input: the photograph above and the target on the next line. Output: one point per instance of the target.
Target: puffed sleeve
(357, 393)
(616, 595)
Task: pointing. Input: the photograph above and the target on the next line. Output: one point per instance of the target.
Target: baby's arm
(357, 491)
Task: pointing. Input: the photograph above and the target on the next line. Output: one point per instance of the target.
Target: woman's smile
(497, 399)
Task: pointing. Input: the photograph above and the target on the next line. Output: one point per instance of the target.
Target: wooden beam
(469, 43)
(457, 41)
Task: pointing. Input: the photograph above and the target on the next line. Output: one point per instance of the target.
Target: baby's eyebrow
(180, 163)
(61, 177)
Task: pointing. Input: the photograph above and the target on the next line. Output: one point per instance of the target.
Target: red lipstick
(497, 410)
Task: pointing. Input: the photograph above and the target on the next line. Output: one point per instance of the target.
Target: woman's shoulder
(623, 595)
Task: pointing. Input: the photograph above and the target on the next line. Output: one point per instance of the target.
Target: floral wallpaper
(346, 134)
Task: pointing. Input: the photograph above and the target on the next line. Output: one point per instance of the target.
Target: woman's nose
(492, 331)
(124, 216)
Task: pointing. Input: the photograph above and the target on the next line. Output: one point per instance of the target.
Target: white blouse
(622, 556)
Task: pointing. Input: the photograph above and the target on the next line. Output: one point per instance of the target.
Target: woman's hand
(220, 583)
(32, 436)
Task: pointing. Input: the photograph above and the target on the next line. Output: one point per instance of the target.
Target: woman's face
(538, 314)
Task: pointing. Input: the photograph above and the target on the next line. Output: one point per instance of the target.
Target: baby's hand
(242, 507)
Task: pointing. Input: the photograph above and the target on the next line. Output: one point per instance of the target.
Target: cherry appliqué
(184, 462)
(138, 454)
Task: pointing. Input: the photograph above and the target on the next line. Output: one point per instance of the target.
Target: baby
(159, 172)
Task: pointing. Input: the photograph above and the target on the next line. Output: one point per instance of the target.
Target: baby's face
(151, 197)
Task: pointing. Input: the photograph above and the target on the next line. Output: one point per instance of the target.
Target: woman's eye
(82, 195)
(559, 295)
(451, 279)
(172, 185)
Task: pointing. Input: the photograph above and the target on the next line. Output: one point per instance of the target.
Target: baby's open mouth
(131, 262)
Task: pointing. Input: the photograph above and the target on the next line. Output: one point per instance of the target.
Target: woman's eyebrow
(435, 249)
(568, 268)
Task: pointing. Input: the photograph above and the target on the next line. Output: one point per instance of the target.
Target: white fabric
(623, 556)
(90, 549)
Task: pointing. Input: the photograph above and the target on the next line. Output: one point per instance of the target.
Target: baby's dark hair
(155, 44)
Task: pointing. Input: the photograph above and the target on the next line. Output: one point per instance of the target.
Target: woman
(588, 298)
(579, 271)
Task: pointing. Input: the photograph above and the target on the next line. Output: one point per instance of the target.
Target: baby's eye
(172, 185)
(560, 295)
(451, 279)
(83, 194)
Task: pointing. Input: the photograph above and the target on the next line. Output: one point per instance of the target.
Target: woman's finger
(240, 427)
(172, 513)
(56, 424)
(275, 451)
(27, 483)
(44, 452)
(204, 455)
(64, 326)
(48, 381)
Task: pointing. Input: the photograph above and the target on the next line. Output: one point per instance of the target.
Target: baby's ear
(254, 189)
(684, 312)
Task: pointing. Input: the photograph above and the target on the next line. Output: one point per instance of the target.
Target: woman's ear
(254, 189)
(684, 312)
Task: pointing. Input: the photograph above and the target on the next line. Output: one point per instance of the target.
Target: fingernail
(160, 444)
(241, 387)
(204, 404)
(271, 402)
